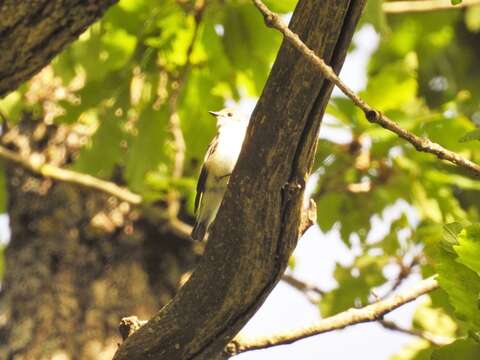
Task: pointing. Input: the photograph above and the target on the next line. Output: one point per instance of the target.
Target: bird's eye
(229, 114)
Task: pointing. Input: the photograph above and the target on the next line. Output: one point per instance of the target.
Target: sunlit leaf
(468, 248)
(460, 282)
(461, 349)
(148, 149)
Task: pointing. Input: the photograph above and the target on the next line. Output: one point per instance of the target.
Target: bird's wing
(202, 179)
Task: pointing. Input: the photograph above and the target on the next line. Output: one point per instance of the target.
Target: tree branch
(311, 291)
(372, 115)
(33, 32)
(69, 176)
(405, 270)
(352, 316)
(401, 7)
(431, 338)
(73, 177)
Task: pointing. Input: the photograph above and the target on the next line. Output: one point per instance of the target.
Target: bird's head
(228, 116)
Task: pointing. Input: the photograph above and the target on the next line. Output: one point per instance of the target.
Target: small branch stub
(128, 325)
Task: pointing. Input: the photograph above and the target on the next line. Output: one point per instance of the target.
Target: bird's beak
(214, 113)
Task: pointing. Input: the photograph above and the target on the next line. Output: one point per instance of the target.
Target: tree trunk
(78, 261)
(33, 32)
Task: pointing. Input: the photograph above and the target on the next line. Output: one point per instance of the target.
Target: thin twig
(405, 271)
(352, 316)
(372, 115)
(401, 7)
(69, 176)
(431, 338)
(311, 291)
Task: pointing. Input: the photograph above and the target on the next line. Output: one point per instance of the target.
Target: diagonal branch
(372, 115)
(401, 7)
(311, 291)
(174, 224)
(69, 176)
(368, 313)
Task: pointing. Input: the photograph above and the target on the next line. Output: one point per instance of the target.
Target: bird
(218, 165)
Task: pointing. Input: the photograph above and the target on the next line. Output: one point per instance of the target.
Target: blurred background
(127, 104)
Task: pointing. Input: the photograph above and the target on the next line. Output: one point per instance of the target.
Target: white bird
(219, 162)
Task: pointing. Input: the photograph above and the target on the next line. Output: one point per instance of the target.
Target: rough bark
(78, 261)
(257, 226)
(32, 32)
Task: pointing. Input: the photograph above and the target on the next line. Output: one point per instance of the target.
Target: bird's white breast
(223, 159)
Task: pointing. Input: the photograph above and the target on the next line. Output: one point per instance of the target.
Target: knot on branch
(128, 325)
(293, 188)
(233, 348)
(372, 115)
(270, 19)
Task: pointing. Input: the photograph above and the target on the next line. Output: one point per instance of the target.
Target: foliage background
(125, 81)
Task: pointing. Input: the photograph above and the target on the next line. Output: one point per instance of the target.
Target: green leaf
(417, 350)
(470, 136)
(117, 48)
(246, 41)
(11, 106)
(93, 94)
(328, 210)
(104, 151)
(468, 248)
(375, 15)
(344, 110)
(460, 283)
(456, 2)
(472, 18)
(148, 149)
(282, 6)
(447, 131)
(400, 80)
(354, 284)
(450, 178)
(451, 231)
(459, 350)
(197, 124)
(434, 320)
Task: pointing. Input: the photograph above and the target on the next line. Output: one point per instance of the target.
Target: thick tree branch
(401, 7)
(33, 32)
(368, 313)
(372, 115)
(258, 223)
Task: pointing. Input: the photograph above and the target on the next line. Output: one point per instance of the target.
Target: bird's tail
(199, 231)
